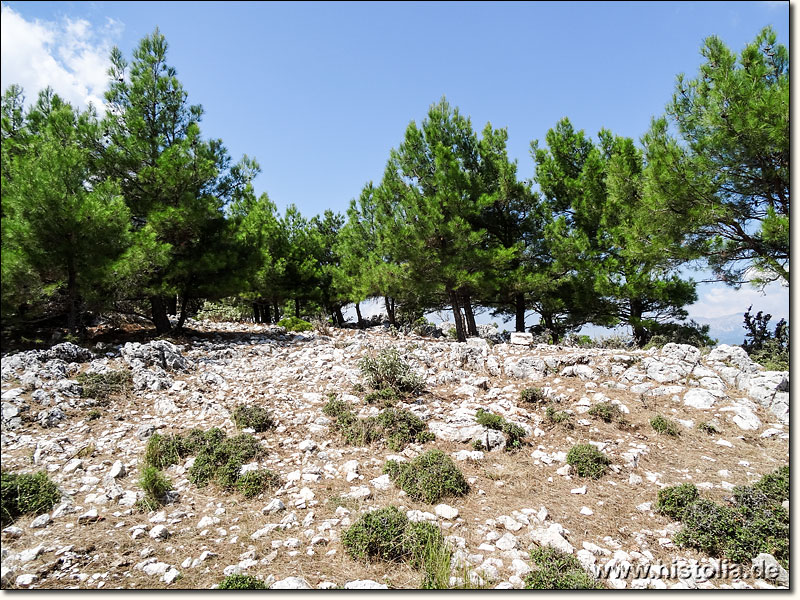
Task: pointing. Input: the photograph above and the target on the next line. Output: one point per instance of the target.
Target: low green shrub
(587, 461)
(101, 386)
(514, 433)
(533, 395)
(556, 570)
(254, 417)
(392, 426)
(252, 483)
(24, 493)
(224, 461)
(389, 370)
(674, 500)
(242, 582)
(387, 397)
(155, 486)
(429, 477)
(558, 417)
(295, 324)
(93, 415)
(607, 412)
(387, 534)
(775, 485)
(664, 426)
(708, 428)
(755, 522)
(162, 451)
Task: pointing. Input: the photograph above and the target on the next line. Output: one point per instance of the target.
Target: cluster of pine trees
(135, 212)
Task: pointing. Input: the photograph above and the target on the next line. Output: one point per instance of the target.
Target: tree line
(134, 211)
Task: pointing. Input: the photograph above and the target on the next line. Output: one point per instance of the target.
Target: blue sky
(320, 92)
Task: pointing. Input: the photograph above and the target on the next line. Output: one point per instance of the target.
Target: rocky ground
(291, 537)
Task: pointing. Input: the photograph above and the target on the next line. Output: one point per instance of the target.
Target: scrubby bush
(556, 570)
(155, 486)
(387, 534)
(690, 333)
(587, 461)
(242, 582)
(224, 461)
(775, 485)
(254, 417)
(429, 477)
(101, 386)
(664, 426)
(389, 370)
(607, 412)
(514, 433)
(386, 397)
(162, 451)
(394, 427)
(674, 500)
(227, 310)
(533, 395)
(558, 417)
(708, 428)
(295, 324)
(755, 522)
(24, 493)
(252, 483)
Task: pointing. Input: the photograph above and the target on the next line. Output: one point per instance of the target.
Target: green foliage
(755, 523)
(769, 350)
(225, 310)
(252, 483)
(556, 570)
(673, 501)
(775, 485)
(155, 486)
(387, 534)
(254, 417)
(162, 451)
(606, 411)
(664, 426)
(692, 333)
(23, 494)
(394, 427)
(242, 582)
(223, 461)
(295, 324)
(587, 461)
(387, 397)
(389, 370)
(93, 415)
(726, 179)
(514, 433)
(559, 417)
(708, 428)
(429, 477)
(101, 386)
(533, 395)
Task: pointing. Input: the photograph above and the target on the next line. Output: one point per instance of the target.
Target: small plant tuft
(556, 570)
(254, 417)
(102, 386)
(295, 324)
(708, 428)
(242, 582)
(429, 477)
(24, 493)
(558, 417)
(155, 486)
(606, 412)
(588, 461)
(533, 395)
(252, 483)
(664, 426)
(387, 397)
(514, 433)
(389, 370)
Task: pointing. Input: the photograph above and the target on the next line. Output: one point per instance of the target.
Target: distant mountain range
(729, 329)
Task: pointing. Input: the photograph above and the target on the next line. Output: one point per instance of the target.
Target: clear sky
(319, 93)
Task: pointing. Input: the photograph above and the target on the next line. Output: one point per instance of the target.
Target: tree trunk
(390, 310)
(72, 292)
(256, 313)
(472, 328)
(297, 307)
(339, 317)
(640, 334)
(159, 314)
(266, 317)
(519, 300)
(457, 316)
(182, 318)
(277, 310)
(358, 314)
(555, 335)
(172, 304)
